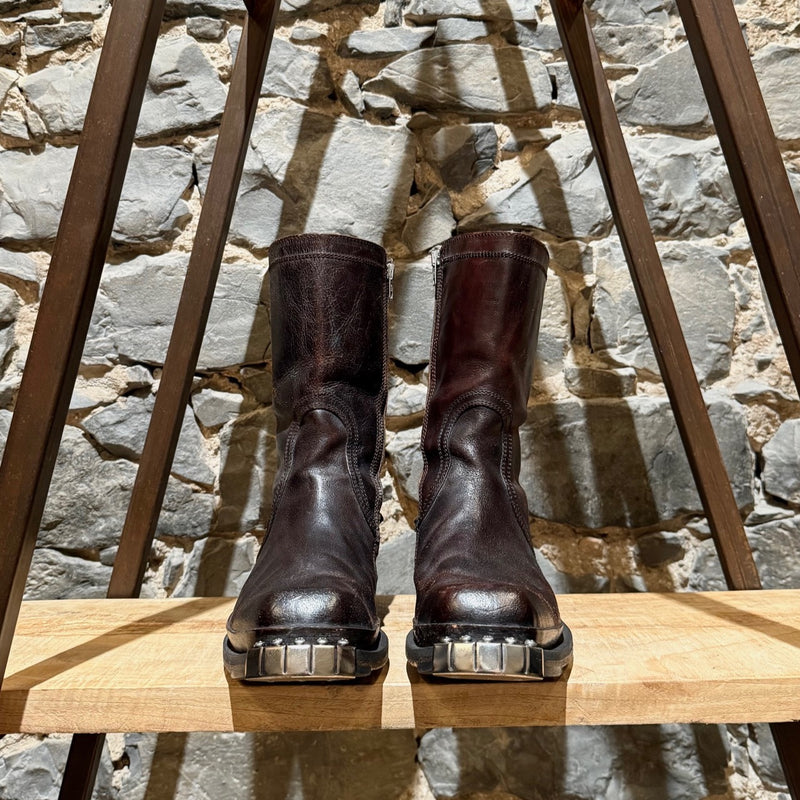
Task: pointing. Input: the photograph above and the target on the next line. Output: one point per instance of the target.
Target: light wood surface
(156, 665)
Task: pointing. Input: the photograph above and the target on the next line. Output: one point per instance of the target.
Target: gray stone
(590, 381)
(464, 152)
(31, 768)
(9, 305)
(623, 12)
(765, 759)
(292, 71)
(630, 44)
(519, 138)
(194, 8)
(247, 466)
(206, 28)
(659, 548)
(766, 512)
(183, 91)
(83, 8)
(13, 126)
(537, 36)
(452, 30)
(348, 90)
(778, 70)
(380, 105)
(55, 576)
(649, 762)
(136, 307)
(562, 194)
(667, 92)
(41, 16)
(554, 329)
(121, 430)
(396, 564)
(217, 567)
(5, 423)
(565, 94)
(151, 209)
(406, 461)
(686, 185)
(700, 287)
(276, 197)
(10, 44)
(6, 341)
(754, 391)
(427, 11)
(609, 462)
(86, 506)
(781, 455)
(411, 312)
(304, 34)
(41, 39)
(405, 399)
(467, 78)
(431, 225)
(8, 79)
(385, 42)
(774, 546)
(214, 408)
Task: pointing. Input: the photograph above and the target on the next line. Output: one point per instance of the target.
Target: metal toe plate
(498, 660)
(293, 662)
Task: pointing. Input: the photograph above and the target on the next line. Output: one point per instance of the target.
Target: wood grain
(156, 665)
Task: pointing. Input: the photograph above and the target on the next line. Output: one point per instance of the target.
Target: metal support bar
(69, 294)
(184, 347)
(754, 159)
(652, 291)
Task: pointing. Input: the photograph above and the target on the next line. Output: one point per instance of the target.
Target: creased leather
(315, 574)
(475, 570)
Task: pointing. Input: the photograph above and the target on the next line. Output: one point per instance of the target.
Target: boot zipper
(390, 275)
(435, 258)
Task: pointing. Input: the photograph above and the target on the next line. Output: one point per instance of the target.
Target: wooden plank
(156, 665)
(652, 292)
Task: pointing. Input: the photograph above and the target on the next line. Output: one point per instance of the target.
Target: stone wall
(402, 122)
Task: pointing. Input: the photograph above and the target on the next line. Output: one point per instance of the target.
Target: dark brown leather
(315, 575)
(476, 572)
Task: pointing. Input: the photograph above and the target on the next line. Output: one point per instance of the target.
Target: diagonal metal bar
(669, 344)
(766, 199)
(754, 159)
(69, 294)
(652, 291)
(184, 348)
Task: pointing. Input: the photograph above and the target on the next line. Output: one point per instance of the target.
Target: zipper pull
(390, 275)
(434, 254)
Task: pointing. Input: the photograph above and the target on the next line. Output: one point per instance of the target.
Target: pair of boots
(484, 609)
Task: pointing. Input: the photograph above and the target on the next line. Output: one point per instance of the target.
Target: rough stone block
(777, 67)
(217, 567)
(151, 209)
(468, 78)
(667, 92)
(464, 152)
(206, 28)
(385, 42)
(136, 308)
(41, 39)
(609, 462)
(623, 12)
(452, 30)
(630, 44)
(292, 71)
(56, 576)
(121, 429)
(781, 454)
(425, 11)
(396, 565)
(296, 185)
(83, 8)
(411, 312)
(214, 408)
(431, 225)
(700, 287)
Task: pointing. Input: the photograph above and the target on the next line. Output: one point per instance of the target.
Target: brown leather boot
(307, 610)
(484, 609)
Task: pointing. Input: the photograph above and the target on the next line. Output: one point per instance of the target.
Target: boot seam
(494, 254)
(326, 254)
(286, 468)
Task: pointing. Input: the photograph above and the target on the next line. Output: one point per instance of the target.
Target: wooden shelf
(156, 665)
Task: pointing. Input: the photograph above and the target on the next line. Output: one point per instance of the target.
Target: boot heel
(303, 661)
(490, 660)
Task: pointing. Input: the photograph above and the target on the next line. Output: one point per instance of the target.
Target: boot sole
(491, 661)
(304, 662)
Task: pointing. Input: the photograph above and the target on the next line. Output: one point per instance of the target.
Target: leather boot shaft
(314, 579)
(476, 573)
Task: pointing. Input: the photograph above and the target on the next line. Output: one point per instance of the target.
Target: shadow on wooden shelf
(156, 665)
